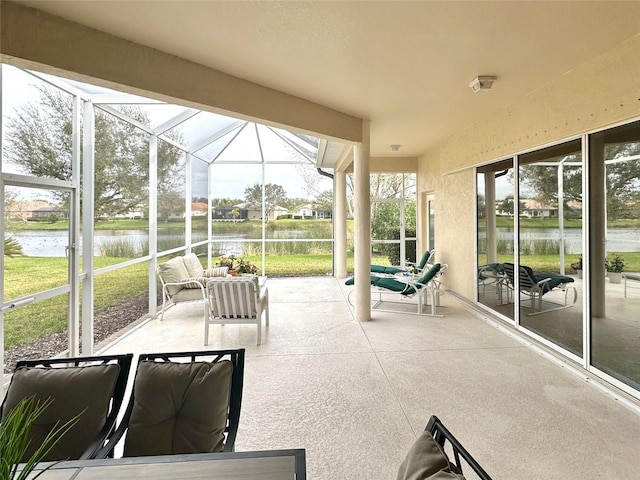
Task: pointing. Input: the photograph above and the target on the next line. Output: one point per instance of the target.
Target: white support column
(188, 201)
(340, 224)
(88, 214)
(74, 240)
(209, 213)
(362, 232)
(263, 266)
(153, 223)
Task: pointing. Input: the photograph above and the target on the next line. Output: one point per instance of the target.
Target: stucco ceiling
(405, 66)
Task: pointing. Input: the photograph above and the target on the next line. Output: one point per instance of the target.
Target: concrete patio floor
(356, 395)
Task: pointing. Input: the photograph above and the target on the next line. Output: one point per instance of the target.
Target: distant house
(535, 209)
(45, 213)
(24, 209)
(224, 213)
(278, 211)
(199, 209)
(311, 211)
(131, 215)
(254, 211)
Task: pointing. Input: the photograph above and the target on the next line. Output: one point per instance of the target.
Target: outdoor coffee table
(259, 465)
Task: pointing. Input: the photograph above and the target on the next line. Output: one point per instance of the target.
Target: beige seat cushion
(426, 460)
(193, 265)
(179, 408)
(233, 297)
(86, 391)
(173, 271)
(187, 295)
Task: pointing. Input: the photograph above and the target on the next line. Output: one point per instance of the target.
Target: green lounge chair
(425, 262)
(408, 287)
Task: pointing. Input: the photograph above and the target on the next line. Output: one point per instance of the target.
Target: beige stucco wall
(599, 93)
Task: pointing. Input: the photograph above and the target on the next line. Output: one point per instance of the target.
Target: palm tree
(11, 247)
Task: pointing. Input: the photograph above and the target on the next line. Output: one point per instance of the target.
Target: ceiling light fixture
(394, 148)
(482, 83)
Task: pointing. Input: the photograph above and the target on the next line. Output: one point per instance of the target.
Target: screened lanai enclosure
(163, 180)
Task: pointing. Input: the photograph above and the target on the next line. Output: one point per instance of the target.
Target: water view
(53, 243)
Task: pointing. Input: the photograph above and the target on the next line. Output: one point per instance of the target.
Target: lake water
(618, 239)
(38, 243)
(53, 243)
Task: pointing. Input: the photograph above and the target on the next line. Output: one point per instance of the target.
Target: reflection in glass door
(615, 298)
(549, 292)
(36, 289)
(495, 241)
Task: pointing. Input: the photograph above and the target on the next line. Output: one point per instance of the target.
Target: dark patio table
(258, 465)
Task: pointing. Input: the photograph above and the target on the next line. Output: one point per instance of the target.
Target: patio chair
(183, 279)
(425, 287)
(90, 388)
(427, 458)
(181, 403)
(536, 285)
(425, 262)
(236, 300)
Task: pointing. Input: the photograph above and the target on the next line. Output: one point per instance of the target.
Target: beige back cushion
(179, 408)
(173, 271)
(216, 272)
(84, 391)
(193, 265)
(426, 460)
(233, 297)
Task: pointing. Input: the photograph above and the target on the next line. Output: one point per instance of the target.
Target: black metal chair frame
(117, 397)
(235, 400)
(441, 435)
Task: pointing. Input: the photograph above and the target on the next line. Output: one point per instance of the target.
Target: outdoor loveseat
(184, 279)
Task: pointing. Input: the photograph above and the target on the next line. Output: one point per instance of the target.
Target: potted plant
(246, 268)
(577, 266)
(615, 264)
(15, 437)
(229, 262)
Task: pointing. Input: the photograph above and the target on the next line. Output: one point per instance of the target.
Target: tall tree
(39, 142)
(622, 181)
(324, 201)
(274, 195)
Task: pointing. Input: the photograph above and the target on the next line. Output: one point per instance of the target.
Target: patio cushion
(188, 295)
(84, 391)
(173, 271)
(179, 408)
(395, 285)
(426, 460)
(216, 272)
(423, 261)
(239, 299)
(386, 269)
(196, 282)
(193, 265)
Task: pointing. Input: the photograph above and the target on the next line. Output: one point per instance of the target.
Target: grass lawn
(28, 275)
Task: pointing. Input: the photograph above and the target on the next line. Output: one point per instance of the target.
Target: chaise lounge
(535, 285)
